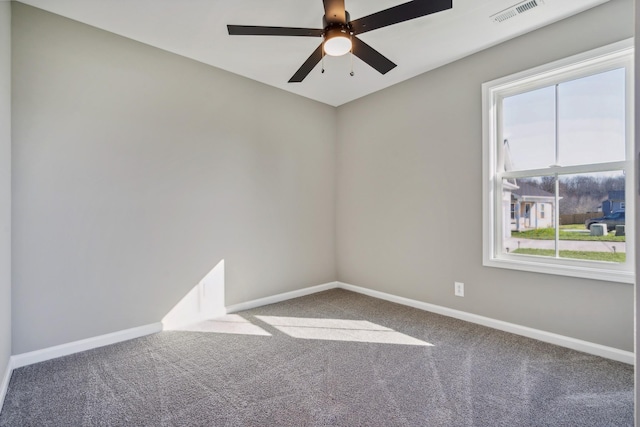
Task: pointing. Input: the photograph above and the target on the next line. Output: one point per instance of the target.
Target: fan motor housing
(337, 31)
(342, 26)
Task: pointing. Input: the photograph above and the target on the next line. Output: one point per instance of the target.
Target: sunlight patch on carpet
(339, 330)
(229, 324)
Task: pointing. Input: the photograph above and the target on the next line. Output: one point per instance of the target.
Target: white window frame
(599, 60)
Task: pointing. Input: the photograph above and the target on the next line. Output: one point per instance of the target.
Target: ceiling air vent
(516, 9)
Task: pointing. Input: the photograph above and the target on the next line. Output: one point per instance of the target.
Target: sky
(591, 122)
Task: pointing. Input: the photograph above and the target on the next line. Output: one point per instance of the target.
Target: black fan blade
(400, 13)
(251, 30)
(334, 11)
(371, 56)
(308, 65)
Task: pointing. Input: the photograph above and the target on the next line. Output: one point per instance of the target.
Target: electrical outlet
(458, 289)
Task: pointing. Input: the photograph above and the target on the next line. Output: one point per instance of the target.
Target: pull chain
(351, 56)
(322, 59)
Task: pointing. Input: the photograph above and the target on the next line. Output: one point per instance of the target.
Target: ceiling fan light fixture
(337, 42)
(341, 35)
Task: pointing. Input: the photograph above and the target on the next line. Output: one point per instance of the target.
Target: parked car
(613, 219)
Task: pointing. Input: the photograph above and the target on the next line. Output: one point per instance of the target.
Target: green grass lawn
(550, 234)
(592, 256)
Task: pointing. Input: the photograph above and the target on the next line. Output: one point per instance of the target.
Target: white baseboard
(280, 297)
(199, 317)
(549, 337)
(4, 385)
(24, 359)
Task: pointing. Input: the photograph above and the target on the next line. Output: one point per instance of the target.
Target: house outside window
(558, 150)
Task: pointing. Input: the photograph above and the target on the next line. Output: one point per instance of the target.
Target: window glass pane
(588, 199)
(529, 127)
(591, 122)
(531, 229)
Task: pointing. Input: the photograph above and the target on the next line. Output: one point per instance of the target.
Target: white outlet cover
(458, 289)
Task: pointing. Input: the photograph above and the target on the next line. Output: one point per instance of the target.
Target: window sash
(567, 170)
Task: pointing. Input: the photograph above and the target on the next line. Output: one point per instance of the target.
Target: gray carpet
(331, 359)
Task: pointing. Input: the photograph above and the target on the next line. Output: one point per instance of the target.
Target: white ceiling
(197, 29)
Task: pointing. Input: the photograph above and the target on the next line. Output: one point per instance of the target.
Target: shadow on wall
(204, 301)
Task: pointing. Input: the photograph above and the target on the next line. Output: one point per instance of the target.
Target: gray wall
(136, 171)
(5, 186)
(409, 195)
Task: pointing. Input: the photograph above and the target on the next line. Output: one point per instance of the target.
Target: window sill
(533, 265)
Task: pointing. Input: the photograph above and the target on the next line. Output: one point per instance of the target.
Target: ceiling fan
(339, 33)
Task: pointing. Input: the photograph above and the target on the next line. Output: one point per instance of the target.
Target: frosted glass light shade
(337, 45)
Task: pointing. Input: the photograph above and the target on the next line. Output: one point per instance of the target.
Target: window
(558, 157)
